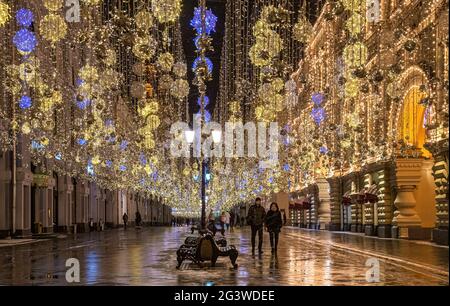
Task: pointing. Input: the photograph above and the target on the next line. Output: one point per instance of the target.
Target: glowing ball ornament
(166, 11)
(53, 28)
(165, 62)
(53, 5)
(4, 13)
(25, 41)
(25, 102)
(144, 20)
(24, 18)
(180, 89)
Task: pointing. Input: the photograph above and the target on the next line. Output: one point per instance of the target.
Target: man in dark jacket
(255, 218)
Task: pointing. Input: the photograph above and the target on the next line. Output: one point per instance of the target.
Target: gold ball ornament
(53, 5)
(355, 55)
(352, 88)
(166, 10)
(165, 62)
(165, 82)
(354, 5)
(26, 128)
(92, 2)
(180, 69)
(302, 30)
(89, 74)
(53, 28)
(355, 24)
(145, 48)
(137, 90)
(4, 13)
(28, 69)
(144, 20)
(180, 89)
(153, 122)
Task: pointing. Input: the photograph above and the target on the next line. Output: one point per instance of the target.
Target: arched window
(411, 125)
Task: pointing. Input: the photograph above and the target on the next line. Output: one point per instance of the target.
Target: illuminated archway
(411, 126)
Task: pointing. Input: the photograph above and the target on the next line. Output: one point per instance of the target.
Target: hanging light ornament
(166, 11)
(92, 2)
(25, 41)
(303, 29)
(354, 5)
(355, 55)
(145, 48)
(165, 62)
(144, 20)
(210, 21)
(180, 89)
(53, 5)
(4, 13)
(355, 24)
(53, 28)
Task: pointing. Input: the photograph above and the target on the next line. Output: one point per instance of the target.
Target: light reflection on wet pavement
(148, 257)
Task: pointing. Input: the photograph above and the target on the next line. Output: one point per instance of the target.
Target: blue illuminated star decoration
(142, 159)
(90, 168)
(323, 150)
(317, 98)
(318, 115)
(83, 104)
(25, 102)
(197, 62)
(123, 145)
(81, 141)
(25, 40)
(210, 21)
(207, 115)
(37, 145)
(206, 101)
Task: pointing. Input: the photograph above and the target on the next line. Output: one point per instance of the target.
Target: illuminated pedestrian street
(240, 143)
(147, 257)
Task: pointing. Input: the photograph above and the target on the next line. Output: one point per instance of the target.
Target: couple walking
(258, 218)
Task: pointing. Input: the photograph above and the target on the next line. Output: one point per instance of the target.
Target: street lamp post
(217, 137)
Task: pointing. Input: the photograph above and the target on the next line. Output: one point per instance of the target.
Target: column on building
(385, 202)
(440, 174)
(65, 197)
(82, 206)
(43, 209)
(406, 218)
(324, 203)
(335, 203)
(5, 194)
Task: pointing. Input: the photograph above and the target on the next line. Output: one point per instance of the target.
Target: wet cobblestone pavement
(148, 257)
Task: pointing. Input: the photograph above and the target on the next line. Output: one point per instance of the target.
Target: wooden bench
(205, 248)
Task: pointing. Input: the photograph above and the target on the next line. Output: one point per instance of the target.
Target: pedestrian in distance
(273, 224)
(125, 220)
(223, 222)
(138, 219)
(255, 218)
(91, 225)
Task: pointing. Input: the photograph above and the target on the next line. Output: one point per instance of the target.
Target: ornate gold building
(372, 120)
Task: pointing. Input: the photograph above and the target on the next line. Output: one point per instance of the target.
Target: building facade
(373, 114)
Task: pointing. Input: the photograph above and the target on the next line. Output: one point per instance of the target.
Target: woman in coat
(274, 223)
